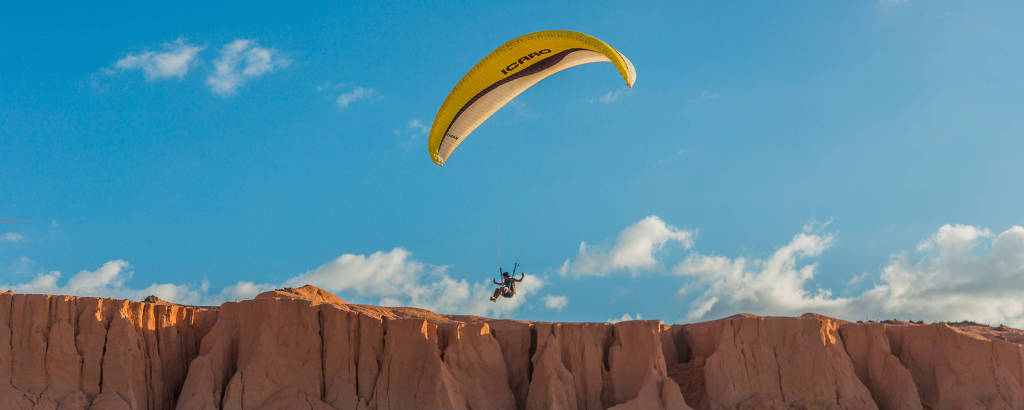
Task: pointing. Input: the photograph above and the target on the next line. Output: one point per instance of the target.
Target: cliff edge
(306, 348)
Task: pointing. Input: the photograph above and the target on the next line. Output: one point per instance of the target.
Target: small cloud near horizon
(555, 302)
(625, 318)
(958, 272)
(386, 278)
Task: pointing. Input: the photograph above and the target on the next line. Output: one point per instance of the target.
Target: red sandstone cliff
(305, 348)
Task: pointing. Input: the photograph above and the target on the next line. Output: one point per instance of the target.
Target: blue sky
(861, 159)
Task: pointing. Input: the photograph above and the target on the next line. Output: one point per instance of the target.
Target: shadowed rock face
(305, 348)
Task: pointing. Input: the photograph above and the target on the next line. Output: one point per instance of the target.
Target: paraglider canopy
(507, 72)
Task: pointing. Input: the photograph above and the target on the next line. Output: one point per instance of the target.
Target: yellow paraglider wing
(507, 72)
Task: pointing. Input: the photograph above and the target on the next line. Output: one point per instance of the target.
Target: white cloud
(242, 60)
(390, 278)
(379, 274)
(107, 280)
(609, 97)
(182, 294)
(773, 284)
(349, 97)
(958, 238)
(439, 293)
(42, 283)
(173, 61)
(555, 302)
(479, 304)
(111, 274)
(961, 272)
(24, 266)
(393, 278)
(13, 237)
(414, 129)
(418, 128)
(328, 85)
(242, 290)
(707, 95)
(634, 249)
(625, 317)
(412, 132)
(855, 279)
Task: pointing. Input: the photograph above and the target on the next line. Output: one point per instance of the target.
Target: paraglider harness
(508, 286)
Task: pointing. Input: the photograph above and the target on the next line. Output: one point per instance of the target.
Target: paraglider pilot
(507, 286)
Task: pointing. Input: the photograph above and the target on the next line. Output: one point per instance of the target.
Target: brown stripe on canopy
(506, 89)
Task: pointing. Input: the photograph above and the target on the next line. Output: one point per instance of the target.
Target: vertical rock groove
(323, 355)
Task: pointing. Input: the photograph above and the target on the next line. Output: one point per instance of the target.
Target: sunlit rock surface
(306, 348)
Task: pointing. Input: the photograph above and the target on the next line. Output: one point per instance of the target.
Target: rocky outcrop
(305, 348)
(954, 368)
(754, 362)
(891, 385)
(71, 353)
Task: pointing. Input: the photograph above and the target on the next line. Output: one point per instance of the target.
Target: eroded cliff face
(305, 348)
(69, 352)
